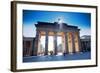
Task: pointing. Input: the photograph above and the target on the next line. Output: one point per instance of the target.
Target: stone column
(24, 49)
(86, 45)
(36, 43)
(66, 43)
(46, 44)
(30, 50)
(55, 43)
(73, 42)
(33, 47)
(79, 42)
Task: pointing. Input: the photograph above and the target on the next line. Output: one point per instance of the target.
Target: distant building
(28, 46)
(86, 43)
(69, 35)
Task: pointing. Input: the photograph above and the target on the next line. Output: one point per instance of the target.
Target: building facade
(28, 45)
(53, 39)
(69, 35)
(86, 43)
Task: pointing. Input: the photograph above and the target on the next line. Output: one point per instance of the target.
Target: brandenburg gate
(67, 34)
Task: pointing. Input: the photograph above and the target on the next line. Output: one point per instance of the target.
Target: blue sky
(31, 17)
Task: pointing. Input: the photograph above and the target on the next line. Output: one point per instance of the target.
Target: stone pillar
(66, 43)
(46, 44)
(73, 42)
(36, 44)
(55, 43)
(79, 42)
(30, 50)
(86, 45)
(33, 42)
(24, 49)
